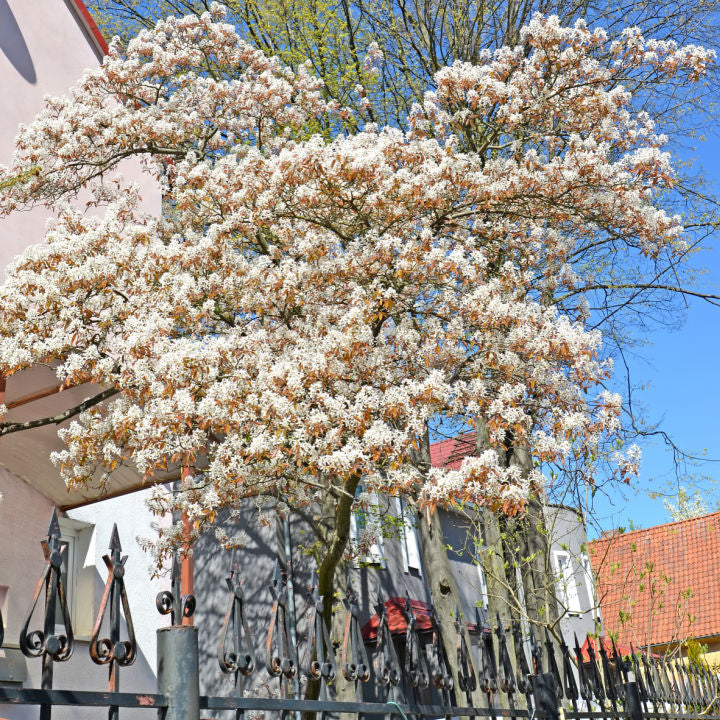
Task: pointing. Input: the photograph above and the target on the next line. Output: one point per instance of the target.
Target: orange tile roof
(667, 578)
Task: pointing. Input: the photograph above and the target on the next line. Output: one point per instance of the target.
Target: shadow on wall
(256, 564)
(12, 44)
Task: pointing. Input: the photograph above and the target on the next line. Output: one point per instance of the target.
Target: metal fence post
(545, 696)
(178, 672)
(633, 708)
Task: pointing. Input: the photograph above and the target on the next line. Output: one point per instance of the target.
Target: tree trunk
(329, 563)
(445, 597)
(500, 601)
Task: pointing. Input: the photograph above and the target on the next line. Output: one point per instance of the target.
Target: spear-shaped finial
(53, 550)
(233, 579)
(118, 561)
(115, 540)
(54, 526)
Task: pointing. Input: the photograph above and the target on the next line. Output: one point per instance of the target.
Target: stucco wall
(568, 534)
(44, 49)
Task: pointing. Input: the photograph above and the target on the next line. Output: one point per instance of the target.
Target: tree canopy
(305, 305)
(629, 294)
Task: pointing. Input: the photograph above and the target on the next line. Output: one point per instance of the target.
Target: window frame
(79, 558)
(409, 540)
(567, 582)
(375, 557)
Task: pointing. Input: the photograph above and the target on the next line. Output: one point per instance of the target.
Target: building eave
(92, 31)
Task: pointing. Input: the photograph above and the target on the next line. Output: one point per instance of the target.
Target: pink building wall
(45, 46)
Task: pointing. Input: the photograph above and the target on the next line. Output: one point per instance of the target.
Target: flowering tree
(304, 307)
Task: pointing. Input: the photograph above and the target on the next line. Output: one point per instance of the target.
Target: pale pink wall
(44, 49)
(24, 517)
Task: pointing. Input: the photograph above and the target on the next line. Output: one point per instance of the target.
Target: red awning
(623, 649)
(397, 622)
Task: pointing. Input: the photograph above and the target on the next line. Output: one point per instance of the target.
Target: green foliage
(694, 650)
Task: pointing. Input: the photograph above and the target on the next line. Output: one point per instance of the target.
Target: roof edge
(90, 26)
(629, 533)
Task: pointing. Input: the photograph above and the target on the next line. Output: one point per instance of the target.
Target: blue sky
(682, 374)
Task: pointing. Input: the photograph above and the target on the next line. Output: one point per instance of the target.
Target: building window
(366, 520)
(482, 583)
(409, 541)
(78, 574)
(593, 603)
(68, 575)
(567, 583)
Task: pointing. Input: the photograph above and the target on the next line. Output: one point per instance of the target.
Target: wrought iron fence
(553, 680)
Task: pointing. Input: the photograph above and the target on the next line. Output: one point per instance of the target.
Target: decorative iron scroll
(466, 672)
(488, 667)
(621, 672)
(552, 664)
(416, 671)
(353, 646)
(240, 658)
(570, 688)
(47, 643)
(280, 653)
(440, 673)
(607, 674)
(320, 662)
(387, 666)
(522, 670)
(506, 674)
(173, 602)
(113, 650)
(586, 692)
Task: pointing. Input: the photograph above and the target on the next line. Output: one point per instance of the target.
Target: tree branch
(13, 427)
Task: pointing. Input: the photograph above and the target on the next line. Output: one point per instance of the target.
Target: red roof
(665, 580)
(450, 453)
(606, 643)
(395, 609)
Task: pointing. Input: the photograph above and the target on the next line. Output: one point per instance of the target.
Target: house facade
(392, 571)
(45, 46)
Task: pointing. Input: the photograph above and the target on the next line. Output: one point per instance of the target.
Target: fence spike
(240, 660)
(283, 661)
(320, 662)
(387, 665)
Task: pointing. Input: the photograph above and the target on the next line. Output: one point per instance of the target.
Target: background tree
(689, 505)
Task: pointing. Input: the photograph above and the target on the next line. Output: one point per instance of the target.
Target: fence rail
(551, 681)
